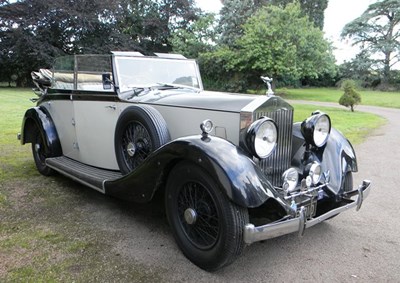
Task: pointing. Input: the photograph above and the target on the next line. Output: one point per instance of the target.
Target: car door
(95, 111)
(95, 122)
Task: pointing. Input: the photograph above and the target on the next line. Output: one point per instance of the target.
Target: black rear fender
(39, 118)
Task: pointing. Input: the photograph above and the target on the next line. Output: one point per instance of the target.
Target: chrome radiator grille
(279, 161)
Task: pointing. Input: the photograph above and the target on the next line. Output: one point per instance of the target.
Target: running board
(82, 173)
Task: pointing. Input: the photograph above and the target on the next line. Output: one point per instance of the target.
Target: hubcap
(131, 148)
(190, 216)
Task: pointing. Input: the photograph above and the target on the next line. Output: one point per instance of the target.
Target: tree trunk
(386, 69)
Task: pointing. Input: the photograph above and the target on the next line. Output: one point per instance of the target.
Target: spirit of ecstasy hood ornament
(268, 81)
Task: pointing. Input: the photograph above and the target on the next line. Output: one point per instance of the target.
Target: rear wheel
(40, 153)
(206, 225)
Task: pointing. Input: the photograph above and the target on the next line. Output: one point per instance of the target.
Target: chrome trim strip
(299, 224)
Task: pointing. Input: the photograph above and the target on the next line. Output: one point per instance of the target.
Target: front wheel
(206, 225)
(40, 153)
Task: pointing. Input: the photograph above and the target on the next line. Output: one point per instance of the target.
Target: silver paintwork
(95, 128)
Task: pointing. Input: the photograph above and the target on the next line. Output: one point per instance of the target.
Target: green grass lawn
(368, 97)
(13, 104)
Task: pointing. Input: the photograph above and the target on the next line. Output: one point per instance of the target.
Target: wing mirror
(106, 79)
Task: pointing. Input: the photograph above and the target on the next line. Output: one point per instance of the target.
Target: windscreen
(147, 72)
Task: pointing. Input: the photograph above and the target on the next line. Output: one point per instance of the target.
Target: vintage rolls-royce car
(234, 169)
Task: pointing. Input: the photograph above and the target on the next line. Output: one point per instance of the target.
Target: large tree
(314, 9)
(150, 23)
(33, 32)
(196, 38)
(377, 32)
(283, 43)
(235, 13)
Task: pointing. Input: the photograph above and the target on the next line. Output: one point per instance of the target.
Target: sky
(337, 15)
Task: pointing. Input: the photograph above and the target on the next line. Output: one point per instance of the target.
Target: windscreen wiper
(172, 86)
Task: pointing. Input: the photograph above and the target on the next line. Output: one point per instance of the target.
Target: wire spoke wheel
(207, 226)
(198, 215)
(140, 130)
(136, 144)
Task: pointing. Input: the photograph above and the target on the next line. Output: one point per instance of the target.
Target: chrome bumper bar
(299, 224)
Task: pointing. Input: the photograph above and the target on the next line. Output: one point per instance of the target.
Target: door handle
(111, 107)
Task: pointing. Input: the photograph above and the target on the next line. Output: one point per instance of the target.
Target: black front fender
(236, 174)
(39, 117)
(337, 156)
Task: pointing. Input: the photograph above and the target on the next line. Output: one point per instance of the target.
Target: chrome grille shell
(282, 113)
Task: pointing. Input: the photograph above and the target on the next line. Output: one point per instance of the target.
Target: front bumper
(299, 224)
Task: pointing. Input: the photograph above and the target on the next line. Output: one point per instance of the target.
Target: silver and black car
(234, 169)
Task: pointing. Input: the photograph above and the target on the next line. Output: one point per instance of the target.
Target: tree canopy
(314, 9)
(278, 42)
(33, 32)
(235, 13)
(377, 32)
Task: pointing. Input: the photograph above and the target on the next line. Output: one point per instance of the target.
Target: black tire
(40, 152)
(140, 130)
(207, 226)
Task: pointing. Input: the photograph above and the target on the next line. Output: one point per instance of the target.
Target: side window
(63, 73)
(91, 69)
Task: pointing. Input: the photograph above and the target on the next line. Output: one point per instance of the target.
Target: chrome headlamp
(316, 129)
(261, 137)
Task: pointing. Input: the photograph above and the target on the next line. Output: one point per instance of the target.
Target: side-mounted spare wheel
(140, 130)
(207, 226)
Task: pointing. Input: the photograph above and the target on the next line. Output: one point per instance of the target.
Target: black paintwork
(337, 156)
(40, 118)
(236, 174)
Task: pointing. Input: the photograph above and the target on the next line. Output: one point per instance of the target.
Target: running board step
(85, 174)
